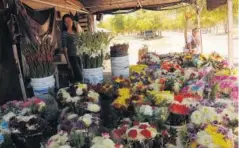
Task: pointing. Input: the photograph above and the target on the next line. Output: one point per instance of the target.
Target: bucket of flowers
(39, 58)
(119, 60)
(92, 48)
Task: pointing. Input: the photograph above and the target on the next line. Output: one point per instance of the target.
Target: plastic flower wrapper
(123, 99)
(104, 141)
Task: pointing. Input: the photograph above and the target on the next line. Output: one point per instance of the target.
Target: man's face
(195, 33)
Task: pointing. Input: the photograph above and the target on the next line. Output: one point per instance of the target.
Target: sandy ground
(174, 42)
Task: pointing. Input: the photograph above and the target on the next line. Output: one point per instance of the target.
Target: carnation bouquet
(92, 47)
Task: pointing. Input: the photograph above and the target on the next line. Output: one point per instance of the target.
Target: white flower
(41, 106)
(31, 127)
(203, 138)
(146, 110)
(232, 115)
(87, 119)
(93, 95)
(93, 107)
(64, 93)
(25, 111)
(75, 99)
(71, 116)
(196, 117)
(100, 142)
(26, 118)
(8, 116)
(79, 91)
(190, 102)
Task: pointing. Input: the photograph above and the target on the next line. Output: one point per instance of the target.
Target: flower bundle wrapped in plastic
(196, 88)
(120, 82)
(150, 58)
(104, 141)
(208, 136)
(171, 67)
(161, 98)
(71, 122)
(139, 135)
(138, 68)
(200, 60)
(123, 99)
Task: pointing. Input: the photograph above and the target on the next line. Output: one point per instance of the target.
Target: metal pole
(198, 10)
(230, 27)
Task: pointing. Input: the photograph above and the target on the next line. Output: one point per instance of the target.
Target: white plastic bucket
(120, 66)
(41, 86)
(93, 75)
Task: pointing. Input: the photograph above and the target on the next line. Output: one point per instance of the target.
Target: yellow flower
(218, 138)
(124, 95)
(118, 80)
(160, 96)
(138, 68)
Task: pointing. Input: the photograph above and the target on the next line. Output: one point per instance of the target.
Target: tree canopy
(143, 20)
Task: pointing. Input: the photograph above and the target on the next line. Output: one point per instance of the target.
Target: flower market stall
(173, 100)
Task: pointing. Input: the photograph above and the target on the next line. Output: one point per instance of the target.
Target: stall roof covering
(108, 6)
(61, 5)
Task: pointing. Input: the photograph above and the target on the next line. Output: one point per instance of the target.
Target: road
(174, 42)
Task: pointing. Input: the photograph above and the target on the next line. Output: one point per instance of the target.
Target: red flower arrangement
(179, 109)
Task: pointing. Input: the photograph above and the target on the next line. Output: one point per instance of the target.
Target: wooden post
(198, 11)
(230, 27)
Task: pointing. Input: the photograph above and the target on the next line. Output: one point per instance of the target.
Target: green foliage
(143, 20)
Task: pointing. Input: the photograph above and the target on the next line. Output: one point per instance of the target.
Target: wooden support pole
(230, 27)
(198, 11)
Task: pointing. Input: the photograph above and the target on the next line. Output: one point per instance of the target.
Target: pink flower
(105, 135)
(234, 95)
(118, 146)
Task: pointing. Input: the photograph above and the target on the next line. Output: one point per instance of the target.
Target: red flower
(146, 133)
(143, 126)
(27, 104)
(132, 133)
(36, 101)
(165, 133)
(118, 146)
(179, 109)
(179, 98)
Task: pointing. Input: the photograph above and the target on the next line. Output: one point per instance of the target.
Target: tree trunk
(186, 30)
(160, 33)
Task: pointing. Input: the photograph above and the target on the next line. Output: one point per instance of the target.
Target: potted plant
(39, 58)
(92, 48)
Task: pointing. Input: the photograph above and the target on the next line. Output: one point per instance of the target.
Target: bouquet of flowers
(139, 135)
(161, 98)
(123, 99)
(120, 82)
(39, 57)
(92, 47)
(27, 130)
(150, 58)
(88, 122)
(119, 50)
(207, 135)
(104, 141)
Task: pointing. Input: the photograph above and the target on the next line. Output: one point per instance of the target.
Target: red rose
(143, 126)
(146, 133)
(132, 133)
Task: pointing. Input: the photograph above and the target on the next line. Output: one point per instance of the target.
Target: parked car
(149, 34)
